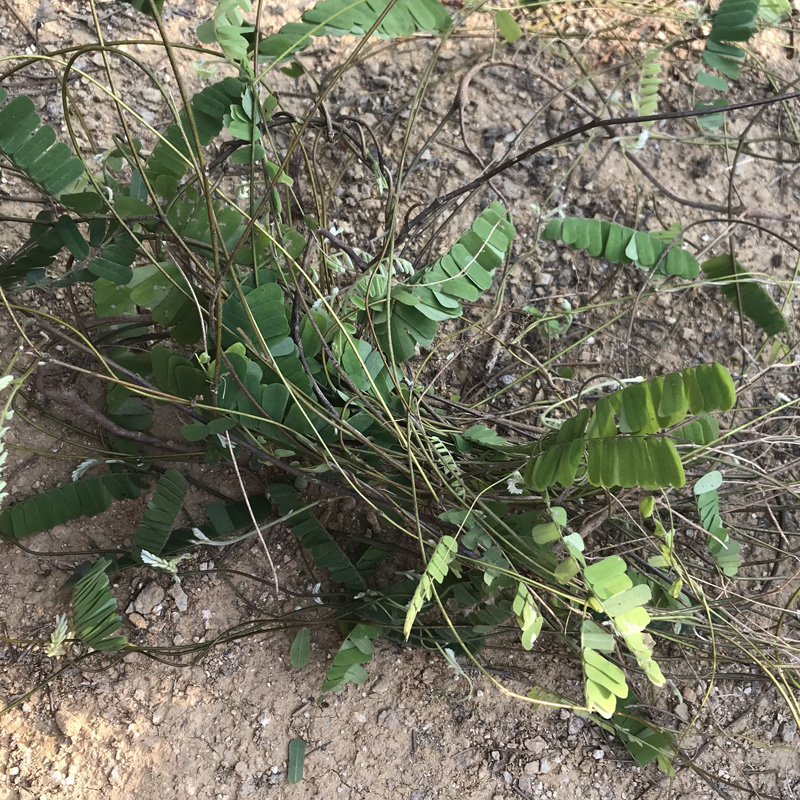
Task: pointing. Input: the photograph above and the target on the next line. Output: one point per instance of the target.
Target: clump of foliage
(284, 350)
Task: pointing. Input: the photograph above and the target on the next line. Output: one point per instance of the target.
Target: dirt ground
(220, 727)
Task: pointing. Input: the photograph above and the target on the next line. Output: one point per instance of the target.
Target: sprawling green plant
(279, 346)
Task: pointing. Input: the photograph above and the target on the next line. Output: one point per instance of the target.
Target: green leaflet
(300, 651)
(114, 261)
(94, 616)
(33, 148)
(309, 532)
(626, 452)
(356, 17)
(621, 245)
(508, 26)
(160, 514)
(83, 498)
(357, 649)
(437, 569)
(749, 297)
(297, 760)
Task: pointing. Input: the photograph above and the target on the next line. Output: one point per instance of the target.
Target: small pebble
(388, 719)
(151, 596)
(575, 725)
(68, 723)
(382, 685)
(788, 732)
(137, 620)
(179, 596)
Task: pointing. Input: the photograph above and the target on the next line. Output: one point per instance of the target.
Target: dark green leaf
(160, 514)
(85, 497)
(68, 231)
(297, 760)
(745, 293)
(94, 614)
(300, 651)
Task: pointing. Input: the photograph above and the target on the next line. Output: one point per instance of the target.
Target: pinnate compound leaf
(94, 617)
(627, 453)
(33, 148)
(645, 101)
(528, 616)
(160, 514)
(623, 602)
(734, 22)
(307, 529)
(724, 550)
(621, 245)
(436, 292)
(86, 497)
(746, 294)
(437, 570)
(356, 17)
(357, 649)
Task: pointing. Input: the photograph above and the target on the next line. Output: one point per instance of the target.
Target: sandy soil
(220, 727)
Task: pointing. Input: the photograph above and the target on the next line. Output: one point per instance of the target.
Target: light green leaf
(437, 569)
(508, 26)
(708, 483)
